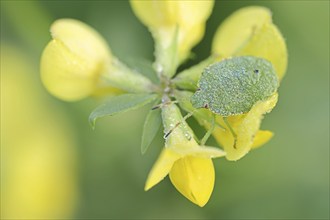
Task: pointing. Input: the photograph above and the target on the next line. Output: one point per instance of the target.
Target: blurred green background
(100, 174)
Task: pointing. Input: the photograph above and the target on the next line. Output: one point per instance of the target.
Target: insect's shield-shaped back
(233, 86)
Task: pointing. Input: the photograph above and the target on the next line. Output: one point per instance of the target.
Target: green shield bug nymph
(233, 86)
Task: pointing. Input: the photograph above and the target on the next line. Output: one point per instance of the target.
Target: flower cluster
(78, 63)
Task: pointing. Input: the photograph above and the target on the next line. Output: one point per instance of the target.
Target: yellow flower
(38, 161)
(250, 31)
(178, 24)
(247, 131)
(78, 63)
(245, 126)
(72, 62)
(247, 32)
(189, 165)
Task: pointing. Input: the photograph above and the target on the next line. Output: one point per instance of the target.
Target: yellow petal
(161, 168)
(238, 28)
(194, 177)
(156, 13)
(38, 148)
(64, 74)
(246, 126)
(199, 151)
(188, 38)
(250, 31)
(223, 136)
(81, 39)
(164, 18)
(269, 44)
(249, 127)
(71, 64)
(194, 12)
(261, 138)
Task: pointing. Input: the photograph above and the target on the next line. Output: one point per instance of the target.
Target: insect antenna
(161, 105)
(208, 133)
(231, 131)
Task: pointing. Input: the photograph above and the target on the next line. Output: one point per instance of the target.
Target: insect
(233, 86)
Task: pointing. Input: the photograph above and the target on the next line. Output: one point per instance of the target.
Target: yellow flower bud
(38, 161)
(179, 23)
(250, 31)
(233, 33)
(247, 130)
(189, 165)
(158, 14)
(72, 62)
(194, 178)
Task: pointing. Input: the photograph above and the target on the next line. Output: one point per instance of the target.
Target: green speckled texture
(233, 86)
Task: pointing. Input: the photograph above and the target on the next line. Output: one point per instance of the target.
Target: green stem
(120, 76)
(167, 59)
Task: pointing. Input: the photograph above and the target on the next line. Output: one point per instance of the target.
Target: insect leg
(209, 132)
(180, 122)
(231, 130)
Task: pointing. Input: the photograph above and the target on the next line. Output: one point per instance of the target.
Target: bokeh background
(53, 165)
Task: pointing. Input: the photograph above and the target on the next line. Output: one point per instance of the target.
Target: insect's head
(198, 100)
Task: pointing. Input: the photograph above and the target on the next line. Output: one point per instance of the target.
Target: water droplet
(187, 135)
(159, 68)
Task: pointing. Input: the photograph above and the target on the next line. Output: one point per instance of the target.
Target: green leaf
(118, 104)
(150, 128)
(126, 79)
